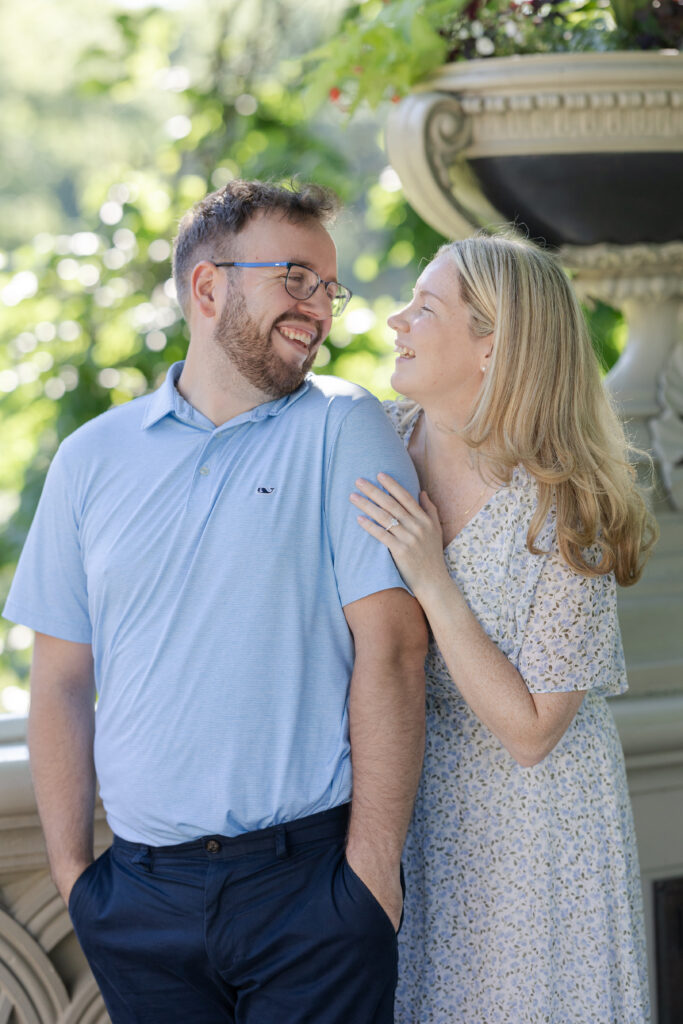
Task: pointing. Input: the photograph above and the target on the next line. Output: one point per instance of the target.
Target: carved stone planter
(580, 148)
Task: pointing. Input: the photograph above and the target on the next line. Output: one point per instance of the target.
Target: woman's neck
(450, 473)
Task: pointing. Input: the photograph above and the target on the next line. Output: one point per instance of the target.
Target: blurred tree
(112, 126)
(115, 118)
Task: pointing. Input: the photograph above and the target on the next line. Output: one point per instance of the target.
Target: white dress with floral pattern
(523, 901)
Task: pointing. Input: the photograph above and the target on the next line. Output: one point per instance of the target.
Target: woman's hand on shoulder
(411, 532)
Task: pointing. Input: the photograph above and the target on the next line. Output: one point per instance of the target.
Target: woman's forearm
(528, 725)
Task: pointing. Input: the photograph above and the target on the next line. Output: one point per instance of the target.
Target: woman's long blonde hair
(543, 405)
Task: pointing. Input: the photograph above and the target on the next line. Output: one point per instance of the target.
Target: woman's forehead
(439, 278)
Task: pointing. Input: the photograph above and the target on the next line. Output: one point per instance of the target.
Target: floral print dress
(523, 901)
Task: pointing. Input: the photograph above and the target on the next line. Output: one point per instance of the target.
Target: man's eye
(295, 277)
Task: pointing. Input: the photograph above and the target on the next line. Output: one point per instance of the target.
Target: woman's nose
(397, 321)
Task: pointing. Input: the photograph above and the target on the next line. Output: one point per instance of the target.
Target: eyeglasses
(301, 282)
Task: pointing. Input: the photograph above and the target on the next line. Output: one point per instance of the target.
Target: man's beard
(251, 351)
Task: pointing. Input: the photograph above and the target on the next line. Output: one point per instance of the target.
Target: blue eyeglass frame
(289, 265)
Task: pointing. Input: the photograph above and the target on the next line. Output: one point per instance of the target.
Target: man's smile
(302, 335)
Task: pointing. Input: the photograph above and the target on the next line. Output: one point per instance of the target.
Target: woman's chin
(400, 383)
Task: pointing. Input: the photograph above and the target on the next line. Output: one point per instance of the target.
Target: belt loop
(280, 842)
(143, 857)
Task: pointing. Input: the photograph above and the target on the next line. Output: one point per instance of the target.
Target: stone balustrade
(44, 978)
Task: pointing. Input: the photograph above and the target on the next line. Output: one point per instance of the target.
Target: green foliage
(131, 117)
(384, 48)
(500, 28)
(381, 50)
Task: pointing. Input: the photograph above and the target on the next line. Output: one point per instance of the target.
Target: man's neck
(216, 389)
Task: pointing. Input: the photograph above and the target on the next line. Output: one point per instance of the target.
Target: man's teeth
(291, 332)
(405, 353)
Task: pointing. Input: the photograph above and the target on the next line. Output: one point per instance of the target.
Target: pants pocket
(82, 882)
(358, 887)
(78, 895)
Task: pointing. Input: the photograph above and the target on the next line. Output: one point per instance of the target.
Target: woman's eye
(427, 309)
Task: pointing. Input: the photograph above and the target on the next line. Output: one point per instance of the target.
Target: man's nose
(318, 304)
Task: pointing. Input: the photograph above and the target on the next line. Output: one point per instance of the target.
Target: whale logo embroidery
(265, 490)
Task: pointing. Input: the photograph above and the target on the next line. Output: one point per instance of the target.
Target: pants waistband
(324, 825)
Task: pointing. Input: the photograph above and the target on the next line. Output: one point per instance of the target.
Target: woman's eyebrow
(433, 295)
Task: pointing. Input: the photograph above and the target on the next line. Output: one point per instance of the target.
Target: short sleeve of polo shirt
(49, 591)
(365, 445)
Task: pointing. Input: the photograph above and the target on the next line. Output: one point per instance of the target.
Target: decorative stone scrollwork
(574, 103)
(31, 990)
(426, 133)
(667, 429)
(40, 913)
(448, 132)
(86, 1007)
(551, 119)
(618, 273)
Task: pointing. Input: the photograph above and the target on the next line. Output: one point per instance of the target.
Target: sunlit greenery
(115, 118)
(385, 46)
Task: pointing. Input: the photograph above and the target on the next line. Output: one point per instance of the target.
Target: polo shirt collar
(167, 400)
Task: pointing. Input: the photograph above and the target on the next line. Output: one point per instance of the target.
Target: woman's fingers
(396, 505)
(398, 492)
(382, 535)
(381, 516)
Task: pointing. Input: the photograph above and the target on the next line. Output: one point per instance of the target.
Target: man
(195, 559)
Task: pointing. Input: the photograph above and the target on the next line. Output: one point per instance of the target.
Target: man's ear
(204, 287)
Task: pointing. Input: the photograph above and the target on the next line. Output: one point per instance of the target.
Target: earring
(483, 369)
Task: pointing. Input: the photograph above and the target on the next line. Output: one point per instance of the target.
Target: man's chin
(287, 378)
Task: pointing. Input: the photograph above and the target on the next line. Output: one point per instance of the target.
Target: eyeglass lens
(301, 282)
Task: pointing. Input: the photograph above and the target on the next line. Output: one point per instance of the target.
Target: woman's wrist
(435, 590)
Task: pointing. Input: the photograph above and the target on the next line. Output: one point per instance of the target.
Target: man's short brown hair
(221, 215)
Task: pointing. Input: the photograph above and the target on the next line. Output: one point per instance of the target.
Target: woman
(523, 897)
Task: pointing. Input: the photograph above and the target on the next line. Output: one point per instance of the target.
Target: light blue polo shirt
(209, 567)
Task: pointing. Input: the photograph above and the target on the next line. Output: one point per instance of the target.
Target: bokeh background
(114, 118)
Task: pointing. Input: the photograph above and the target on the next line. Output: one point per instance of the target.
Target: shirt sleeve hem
(45, 624)
(349, 596)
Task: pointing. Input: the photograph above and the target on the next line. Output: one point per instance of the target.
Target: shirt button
(204, 470)
(212, 846)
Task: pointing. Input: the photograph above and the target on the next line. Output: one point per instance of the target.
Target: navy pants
(272, 927)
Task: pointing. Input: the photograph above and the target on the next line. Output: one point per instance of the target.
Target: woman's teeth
(405, 353)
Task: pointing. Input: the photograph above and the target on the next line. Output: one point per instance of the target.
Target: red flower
(335, 93)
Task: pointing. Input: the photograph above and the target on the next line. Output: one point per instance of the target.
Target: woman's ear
(487, 353)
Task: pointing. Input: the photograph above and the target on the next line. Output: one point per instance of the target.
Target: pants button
(212, 846)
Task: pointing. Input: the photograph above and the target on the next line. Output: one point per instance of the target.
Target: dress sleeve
(572, 639)
(49, 592)
(402, 414)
